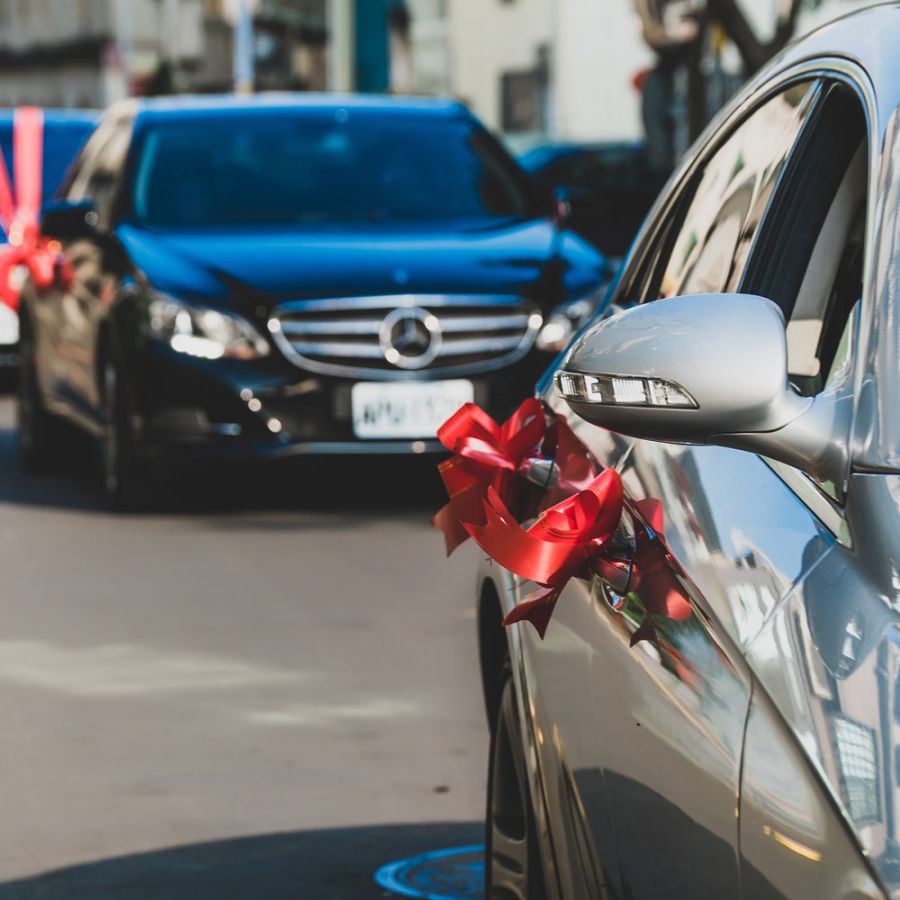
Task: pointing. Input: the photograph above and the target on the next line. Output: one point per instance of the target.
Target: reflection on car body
(751, 748)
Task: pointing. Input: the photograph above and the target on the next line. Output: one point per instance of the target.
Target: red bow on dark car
(485, 455)
(20, 211)
(556, 547)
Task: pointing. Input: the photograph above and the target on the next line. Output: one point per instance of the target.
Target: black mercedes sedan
(291, 274)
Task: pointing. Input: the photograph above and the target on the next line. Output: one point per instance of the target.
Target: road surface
(266, 686)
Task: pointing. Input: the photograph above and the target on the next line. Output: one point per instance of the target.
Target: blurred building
(289, 49)
(369, 46)
(429, 43)
(92, 52)
(536, 70)
(560, 70)
(531, 68)
(703, 50)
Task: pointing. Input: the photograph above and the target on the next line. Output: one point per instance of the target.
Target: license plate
(406, 410)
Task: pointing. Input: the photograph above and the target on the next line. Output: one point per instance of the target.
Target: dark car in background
(65, 133)
(609, 187)
(292, 274)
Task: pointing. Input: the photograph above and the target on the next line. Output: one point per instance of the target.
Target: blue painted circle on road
(453, 874)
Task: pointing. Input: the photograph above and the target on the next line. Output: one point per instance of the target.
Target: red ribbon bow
(485, 456)
(20, 212)
(556, 547)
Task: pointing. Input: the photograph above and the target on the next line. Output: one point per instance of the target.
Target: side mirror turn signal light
(616, 390)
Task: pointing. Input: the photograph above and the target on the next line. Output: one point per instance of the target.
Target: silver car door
(719, 540)
(560, 677)
(738, 530)
(826, 660)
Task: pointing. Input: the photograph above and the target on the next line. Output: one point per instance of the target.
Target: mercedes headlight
(204, 332)
(563, 322)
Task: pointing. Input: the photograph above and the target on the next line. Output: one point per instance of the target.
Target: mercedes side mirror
(704, 369)
(69, 220)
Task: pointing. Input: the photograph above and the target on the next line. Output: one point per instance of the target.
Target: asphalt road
(264, 687)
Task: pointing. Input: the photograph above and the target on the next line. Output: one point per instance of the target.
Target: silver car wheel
(512, 868)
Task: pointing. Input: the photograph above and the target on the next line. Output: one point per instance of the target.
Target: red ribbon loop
(485, 455)
(28, 140)
(20, 211)
(568, 538)
(555, 547)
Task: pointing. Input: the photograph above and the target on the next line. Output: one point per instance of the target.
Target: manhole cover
(453, 874)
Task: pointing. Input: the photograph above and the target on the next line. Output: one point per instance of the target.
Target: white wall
(429, 38)
(489, 37)
(596, 47)
(171, 27)
(339, 14)
(599, 49)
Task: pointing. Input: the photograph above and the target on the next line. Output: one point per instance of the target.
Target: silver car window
(808, 257)
(711, 247)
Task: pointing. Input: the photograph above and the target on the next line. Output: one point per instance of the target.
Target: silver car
(748, 748)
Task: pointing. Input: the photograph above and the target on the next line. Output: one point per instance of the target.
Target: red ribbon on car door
(20, 211)
(486, 455)
(559, 545)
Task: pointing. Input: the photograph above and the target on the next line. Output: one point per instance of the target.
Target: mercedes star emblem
(410, 338)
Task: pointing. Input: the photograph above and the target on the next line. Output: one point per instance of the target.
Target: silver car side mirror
(703, 369)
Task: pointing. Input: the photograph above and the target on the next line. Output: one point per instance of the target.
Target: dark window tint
(250, 170)
(612, 168)
(62, 141)
(612, 190)
(720, 216)
(810, 255)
